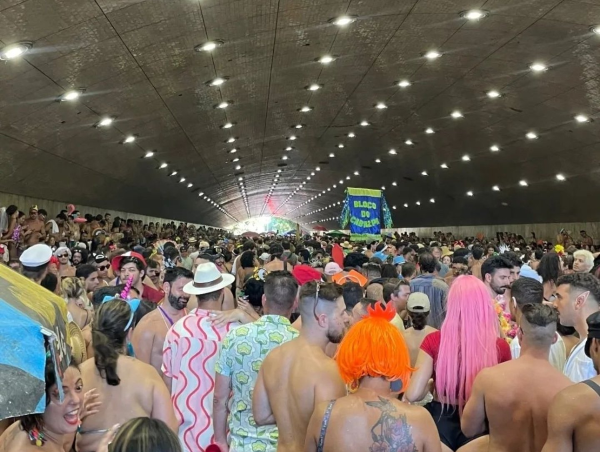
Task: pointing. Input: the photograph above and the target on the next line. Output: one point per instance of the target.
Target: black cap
(593, 323)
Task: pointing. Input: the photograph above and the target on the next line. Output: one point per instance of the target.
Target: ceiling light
(163, 165)
(105, 122)
(418, 203)
(377, 161)
(312, 173)
(231, 140)
(241, 178)
(456, 114)
(14, 50)
(493, 94)
(405, 205)
(531, 135)
(71, 95)
(285, 157)
(208, 46)
(494, 148)
(394, 207)
(223, 105)
(380, 106)
(307, 177)
(561, 177)
(347, 177)
(238, 167)
(383, 187)
(429, 130)
(217, 81)
(326, 59)
(233, 151)
(466, 158)
(364, 123)
(227, 125)
(394, 184)
(523, 183)
(305, 109)
(351, 135)
(237, 159)
(201, 193)
(182, 180)
(129, 139)
(279, 171)
(581, 118)
(403, 83)
(432, 55)
(496, 188)
(595, 29)
(469, 193)
(474, 14)
(538, 67)
(432, 201)
(444, 166)
(174, 173)
(409, 142)
(342, 21)
(341, 146)
(356, 173)
(318, 168)
(423, 173)
(392, 152)
(313, 87)
(298, 126)
(149, 154)
(190, 185)
(292, 137)
(332, 155)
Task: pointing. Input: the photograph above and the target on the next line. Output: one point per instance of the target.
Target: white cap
(264, 256)
(36, 255)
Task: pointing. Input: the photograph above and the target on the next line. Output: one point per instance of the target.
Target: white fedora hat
(208, 279)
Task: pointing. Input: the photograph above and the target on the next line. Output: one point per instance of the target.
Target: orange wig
(374, 348)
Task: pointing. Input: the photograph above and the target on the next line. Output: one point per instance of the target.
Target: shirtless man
(575, 412)
(533, 382)
(227, 300)
(33, 228)
(149, 335)
(286, 393)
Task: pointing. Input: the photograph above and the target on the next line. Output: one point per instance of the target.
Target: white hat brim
(190, 289)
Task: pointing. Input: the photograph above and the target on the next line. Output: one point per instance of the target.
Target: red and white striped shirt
(189, 355)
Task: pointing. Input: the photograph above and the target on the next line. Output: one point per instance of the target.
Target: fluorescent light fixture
(105, 122)
(351, 135)
(432, 200)
(377, 161)
(343, 21)
(313, 87)
(456, 114)
(392, 152)
(16, 50)
(223, 105)
(292, 137)
(404, 83)
(432, 55)
(444, 166)
(217, 81)
(326, 59)
(227, 125)
(231, 140)
(364, 123)
(493, 94)
(582, 118)
(474, 14)
(163, 165)
(496, 188)
(538, 67)
(466, 158)
(332, 155)
(531, 136)
(129, 139)
(409, 142)
(381, 106)
(469, 193)
(70, 95)
(523, 183)
(561, 177)
(494, 148)
(341, 145)
(149, 154)
(305, 109)
(423, 173)
(405, 205)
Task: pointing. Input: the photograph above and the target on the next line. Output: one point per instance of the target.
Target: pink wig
(468, 340)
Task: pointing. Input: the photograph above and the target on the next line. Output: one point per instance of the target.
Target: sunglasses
(63, 255)
(103, 267)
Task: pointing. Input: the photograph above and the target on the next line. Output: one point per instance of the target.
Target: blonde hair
(587, 256)
(73, 289)
(144, 434)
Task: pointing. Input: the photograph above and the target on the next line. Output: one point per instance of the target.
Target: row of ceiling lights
(268, 197)
(242, 185)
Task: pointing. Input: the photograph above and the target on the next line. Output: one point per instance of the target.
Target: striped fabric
(189, 355)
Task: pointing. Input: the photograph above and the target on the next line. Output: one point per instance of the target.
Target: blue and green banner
(366, 211)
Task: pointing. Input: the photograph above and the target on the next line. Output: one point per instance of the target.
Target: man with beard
(149, 335)
(496, 275)
(575, 412)
(297, 375)
(577, 298)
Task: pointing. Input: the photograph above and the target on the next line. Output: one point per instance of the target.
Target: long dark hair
(108, 337)
(36, 421)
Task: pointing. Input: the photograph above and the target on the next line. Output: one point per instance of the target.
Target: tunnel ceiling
(510, 99)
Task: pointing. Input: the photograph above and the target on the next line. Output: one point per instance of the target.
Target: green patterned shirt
(242, 353)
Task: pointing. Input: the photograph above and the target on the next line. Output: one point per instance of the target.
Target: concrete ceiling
(135, 61)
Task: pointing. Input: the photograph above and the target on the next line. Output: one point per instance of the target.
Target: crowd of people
(193, 339)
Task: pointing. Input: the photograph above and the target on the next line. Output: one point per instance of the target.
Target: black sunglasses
(63, 255)
(103, 267)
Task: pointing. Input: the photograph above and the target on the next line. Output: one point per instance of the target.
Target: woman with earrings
(127, 387)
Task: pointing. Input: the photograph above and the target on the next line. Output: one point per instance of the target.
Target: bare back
(517, 397)
(413, 339)
(139, 394)
(296, 375)
(149, 337)
(376, 423)
(276, 265)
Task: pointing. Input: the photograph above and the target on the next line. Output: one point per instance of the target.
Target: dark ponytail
(108, 337)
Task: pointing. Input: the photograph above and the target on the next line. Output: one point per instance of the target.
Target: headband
(133, 304)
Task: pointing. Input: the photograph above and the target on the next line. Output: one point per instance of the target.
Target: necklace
(36, 437)
(166, 317)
